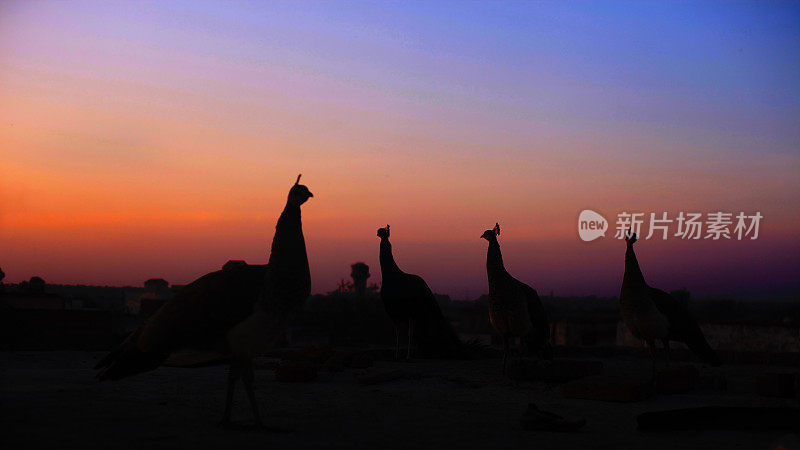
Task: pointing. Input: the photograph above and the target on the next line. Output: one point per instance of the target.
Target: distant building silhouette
(233, 263)
(156, 293)
(156, 285)
(31, 295)
(33, 319)
(36, 285)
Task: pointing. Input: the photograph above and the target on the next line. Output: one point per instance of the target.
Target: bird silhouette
(652, 314)
(410, 303)
(239, 312)
(514, 307)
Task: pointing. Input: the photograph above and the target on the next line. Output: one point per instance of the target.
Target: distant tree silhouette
(343, 287)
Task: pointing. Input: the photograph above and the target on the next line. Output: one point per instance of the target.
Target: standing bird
(652, 314)
(409, 301)
(240, 311)
(514, 307)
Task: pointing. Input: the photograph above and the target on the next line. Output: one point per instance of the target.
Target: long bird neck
(288, 246)
(633, 274)
(388, 266)
(494, 259)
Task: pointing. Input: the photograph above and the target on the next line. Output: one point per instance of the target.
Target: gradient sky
(143, 140)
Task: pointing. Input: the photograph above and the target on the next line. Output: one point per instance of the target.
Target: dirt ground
(50, 399)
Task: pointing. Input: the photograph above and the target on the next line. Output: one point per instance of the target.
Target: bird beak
(310, 194)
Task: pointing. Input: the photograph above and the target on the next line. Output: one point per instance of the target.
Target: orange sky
(161, 142)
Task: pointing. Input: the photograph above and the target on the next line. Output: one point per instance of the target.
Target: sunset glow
(142, 140)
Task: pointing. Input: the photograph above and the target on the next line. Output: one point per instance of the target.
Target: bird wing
(535, 308)
(203, 311)
(434, 334)
(539, 337)
(419, 286)
(682, 326)
(677, 315)
(422, 295)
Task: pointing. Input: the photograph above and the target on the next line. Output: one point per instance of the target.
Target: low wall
(50, 329)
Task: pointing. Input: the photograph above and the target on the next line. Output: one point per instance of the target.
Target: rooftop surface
(51, 399)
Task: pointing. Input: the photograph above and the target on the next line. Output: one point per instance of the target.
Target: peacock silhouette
(238, 312)
(514, 307)
(652, 314)
(410, 302)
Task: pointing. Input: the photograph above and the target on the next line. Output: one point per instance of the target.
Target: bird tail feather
(127, 360)
(700, 347)
(539, 345)
(438, 339)
(537, 342)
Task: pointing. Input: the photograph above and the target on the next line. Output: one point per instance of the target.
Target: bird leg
(247, 377)
(666, 350)
(234, 373)
(651, 344)
(397, 342)
(505, 353)
(410, 337)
